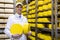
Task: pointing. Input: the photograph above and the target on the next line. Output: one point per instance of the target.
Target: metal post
(27, 12)
(14, 6)
(52, 20)
(56, 7)
(27, 8)
(36, 2)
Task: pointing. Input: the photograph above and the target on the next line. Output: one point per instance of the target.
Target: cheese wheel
(26, 28)
(16, 29)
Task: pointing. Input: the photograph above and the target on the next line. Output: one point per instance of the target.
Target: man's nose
(19, 8)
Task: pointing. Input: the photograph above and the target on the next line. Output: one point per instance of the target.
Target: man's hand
(29, 33)
(16, 36)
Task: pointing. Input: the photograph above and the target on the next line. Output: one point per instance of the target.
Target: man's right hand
(16, 36)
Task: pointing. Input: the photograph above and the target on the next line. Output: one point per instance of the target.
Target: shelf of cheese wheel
(47, 1)
(43, 20)
(23, 9)
(29, 16)
(24, 13)
(49, 5)
(7, 1)
(45, 7)
(5, 15)
(40, 2)
(3, 20)
(2, 1)
(40, 35)
(31, 7)
(6, 6)
(29, 20)
(2, 36)
(1, 10)
(19, 29)
(9, 6)
(24, 6)
(47, 13)
(11, 1)
(7, 11)
(40, 26)
(33, 33)
(32, 25)
(44, 36)
(2, 25)
(40, 8)
(31, 3)
(32, 38)
(33, 15)
(2, 5)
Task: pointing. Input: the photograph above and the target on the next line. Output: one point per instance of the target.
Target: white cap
(19, 3)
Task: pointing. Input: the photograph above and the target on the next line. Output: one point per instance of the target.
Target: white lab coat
(15, 19)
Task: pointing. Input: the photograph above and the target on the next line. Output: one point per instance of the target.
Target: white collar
(17, 15)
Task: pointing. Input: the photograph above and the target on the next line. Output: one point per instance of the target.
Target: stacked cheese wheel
(19, 29)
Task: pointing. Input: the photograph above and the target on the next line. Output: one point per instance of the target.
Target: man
(17, 18)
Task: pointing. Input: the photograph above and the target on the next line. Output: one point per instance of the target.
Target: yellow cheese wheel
(26, 28)
(40, 14)
(16, 29)
(33, 33)
(40, 8)
(50, 5)
(45, 7)
(50, 26)
(40, 25)
(40, 2)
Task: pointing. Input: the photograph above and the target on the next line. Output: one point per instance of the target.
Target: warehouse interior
(43, 17)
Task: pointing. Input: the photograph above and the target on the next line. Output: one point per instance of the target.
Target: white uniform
(15, 19)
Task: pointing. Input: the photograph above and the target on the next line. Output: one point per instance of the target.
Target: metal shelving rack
(36, 30)
(3, 17)
(57, 29)
(54, 21)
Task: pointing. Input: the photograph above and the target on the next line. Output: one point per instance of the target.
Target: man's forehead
(19, 5)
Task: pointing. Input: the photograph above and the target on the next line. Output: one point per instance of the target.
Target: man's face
(19, 9)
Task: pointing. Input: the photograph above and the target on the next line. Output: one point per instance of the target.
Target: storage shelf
(44, 17)
(2, 22)
(31, 18)
(24, 11)
(43, 10)
(44, 30)
(44, 22)
(39, 38)
(6, 8)
(41, 22)
(6, 13)
(3, 36)
(32, 5)
(32, 28)
(6, 3)
(31, 22)
(44, 4)
(31, 13)
(31, 9)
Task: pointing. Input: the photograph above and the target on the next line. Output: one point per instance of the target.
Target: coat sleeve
(7, 28)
